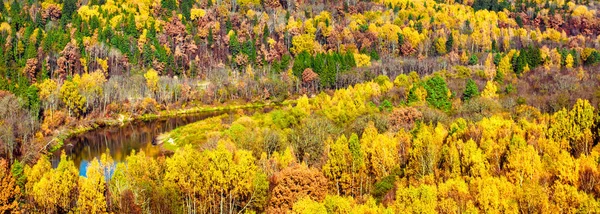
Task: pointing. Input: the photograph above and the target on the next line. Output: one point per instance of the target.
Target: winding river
(122, 140)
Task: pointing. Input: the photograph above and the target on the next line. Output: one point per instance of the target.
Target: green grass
(193, 133)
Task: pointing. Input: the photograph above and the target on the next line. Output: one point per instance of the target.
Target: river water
(121, 140)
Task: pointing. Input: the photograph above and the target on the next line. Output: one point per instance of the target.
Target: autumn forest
(300, 106)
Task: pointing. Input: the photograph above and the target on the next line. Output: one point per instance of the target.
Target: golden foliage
(304, 42)
(362, 60)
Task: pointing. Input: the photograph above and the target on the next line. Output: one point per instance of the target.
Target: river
(122, 140)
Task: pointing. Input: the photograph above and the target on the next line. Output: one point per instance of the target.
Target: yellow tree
(228, 178)
(196, 13)
(454, 195)
(357, 166)
(142, 174)
(573, 129)
(490, 90)
(493, 194)
(381, 152)
(464, 58)
(103, 65)
(69, 93)
(440, 45)
(10, 193)
(90, 86)
(91, 190)
(184, 173)
(490, 68)
(450, 159)
(337, 168)
(532, 197)
(565, 168)
(524, 164)
(555, 57)
(304, 42)
(569, 61)
(60, 183)
(560, 129)
(362, 60)
(308, 206)
(582, 120)
(48, 93)
(473, 160)
(493, 142)
(152, 80)
(248, 184)
(34, 174)
(424, 153)
(416, 199)
(567, 199)
(505, 66)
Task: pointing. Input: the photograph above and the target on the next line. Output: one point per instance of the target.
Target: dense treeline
(66, 61)
(415, 106)
(343, 153)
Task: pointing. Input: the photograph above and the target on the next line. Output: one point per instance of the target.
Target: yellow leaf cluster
(152, 80)
(110, 7)
(5, 27)
(569, 61)
(87, 12)
(116, 20)
(490, 90)
(47, 88)
(304, 42)
(582, 11)
(196, 13)
(412, 36)
(293, 24)
(362, 60)
(440, 45)
(248, 3)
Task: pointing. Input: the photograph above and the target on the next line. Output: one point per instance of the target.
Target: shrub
(358, 126)
(473, 60)
(404, 118)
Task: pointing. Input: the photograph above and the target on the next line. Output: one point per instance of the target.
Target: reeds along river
(122, 140)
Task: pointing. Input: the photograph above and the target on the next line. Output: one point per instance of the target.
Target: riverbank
(58, 140)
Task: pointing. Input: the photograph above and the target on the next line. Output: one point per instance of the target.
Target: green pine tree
(211, 38)
(449, 42)
(437, 93)
(521, 63)
(69, 7)
(471, 90)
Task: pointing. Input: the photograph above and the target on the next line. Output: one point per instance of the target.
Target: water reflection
(121, 141)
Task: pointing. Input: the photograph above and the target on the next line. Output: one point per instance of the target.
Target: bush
(52, 120)
(462, 72)
(478, 108)
(404, 118)
(307, 140)
(433, 116)
(148, 106)
(358, 126)
(593, 58)
(384, 186)
(386, 105)
(473, 60)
